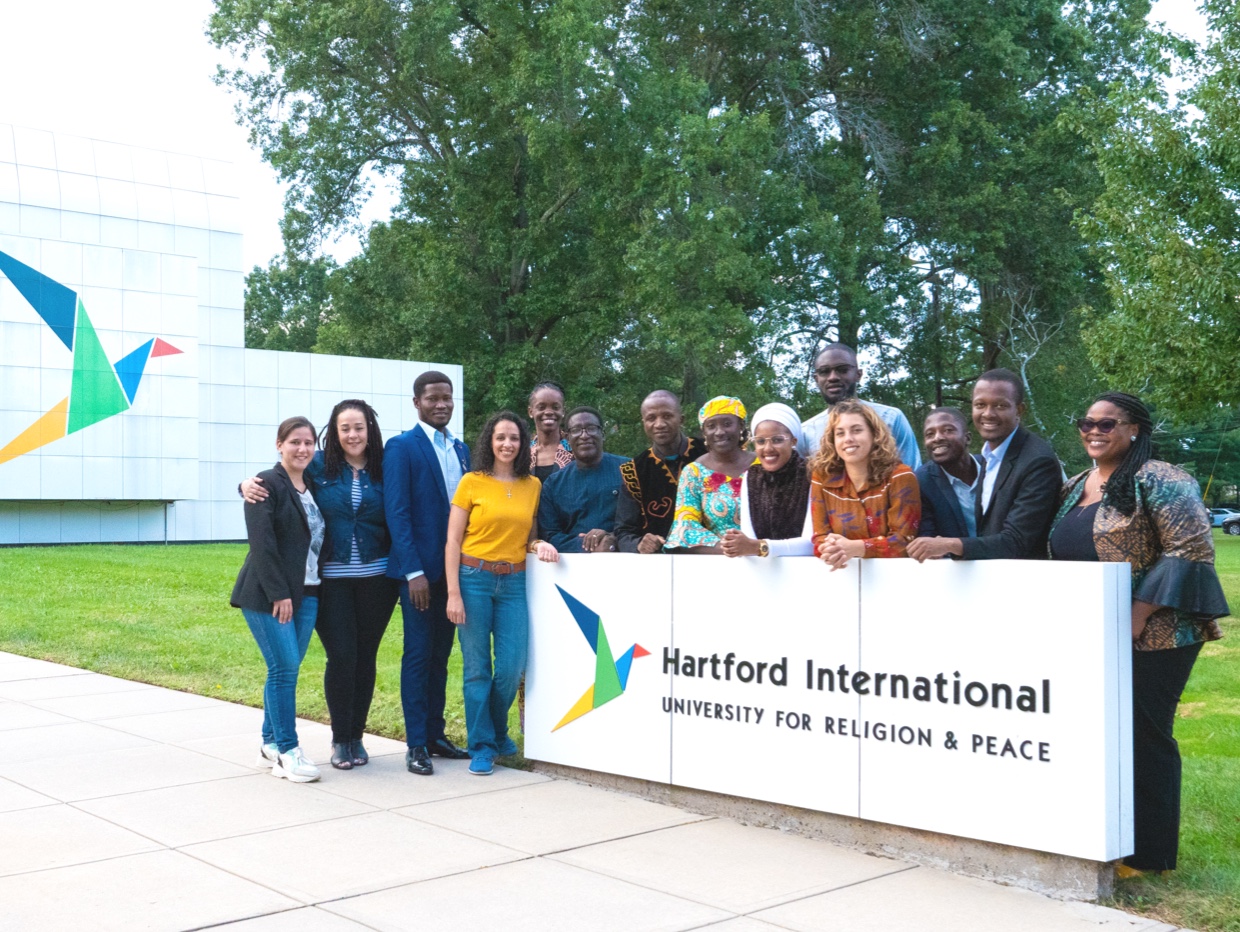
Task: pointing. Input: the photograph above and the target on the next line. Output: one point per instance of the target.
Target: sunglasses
(1104, 425)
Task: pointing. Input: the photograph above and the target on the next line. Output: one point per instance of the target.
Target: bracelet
(532, 547)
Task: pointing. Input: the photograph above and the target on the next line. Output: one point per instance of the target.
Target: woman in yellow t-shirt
(491, 528)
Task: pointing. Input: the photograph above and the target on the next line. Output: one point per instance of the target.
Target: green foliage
(1167, 228)
(286, 302)
(625, 196)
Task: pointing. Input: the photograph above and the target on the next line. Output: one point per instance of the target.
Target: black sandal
(342, 756)
(360, 757)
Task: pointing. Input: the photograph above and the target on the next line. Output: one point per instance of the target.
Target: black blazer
(1022, 505)
(279, 534)
(940, 509)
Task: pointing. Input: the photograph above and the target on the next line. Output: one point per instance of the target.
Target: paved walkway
(126, 806)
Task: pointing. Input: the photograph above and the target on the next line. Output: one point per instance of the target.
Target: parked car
(1219, 515)
(1232, 525)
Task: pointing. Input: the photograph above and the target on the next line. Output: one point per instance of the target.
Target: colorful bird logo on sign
(99, 389)
(611, 676)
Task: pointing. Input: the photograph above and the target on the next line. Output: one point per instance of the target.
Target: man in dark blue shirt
(577, 511)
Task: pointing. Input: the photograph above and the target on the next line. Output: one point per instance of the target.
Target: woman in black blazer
(277, 591)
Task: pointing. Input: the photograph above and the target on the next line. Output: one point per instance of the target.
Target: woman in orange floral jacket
(864, 501)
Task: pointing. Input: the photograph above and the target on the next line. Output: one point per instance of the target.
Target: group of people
(342, 533)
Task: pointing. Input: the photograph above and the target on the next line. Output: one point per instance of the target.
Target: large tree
(1168, 230)
(691, 195)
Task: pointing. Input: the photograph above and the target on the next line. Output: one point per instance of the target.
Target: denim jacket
(368, 525)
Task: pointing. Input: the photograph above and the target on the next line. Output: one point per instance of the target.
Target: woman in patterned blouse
(548, 447)
(864, 501)
(1133, 509)
(708, 494)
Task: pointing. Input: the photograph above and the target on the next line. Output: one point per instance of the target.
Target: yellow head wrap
(721, 404)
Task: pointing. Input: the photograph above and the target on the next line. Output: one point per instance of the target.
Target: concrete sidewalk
(127, 806)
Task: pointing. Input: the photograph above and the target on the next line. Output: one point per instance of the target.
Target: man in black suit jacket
(948, 480)
(1016, 499)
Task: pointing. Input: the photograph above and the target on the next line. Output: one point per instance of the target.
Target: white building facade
(129, 405)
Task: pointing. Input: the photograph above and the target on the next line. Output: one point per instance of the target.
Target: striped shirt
(355, 568)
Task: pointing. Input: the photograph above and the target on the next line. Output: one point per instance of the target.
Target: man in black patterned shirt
(648, 496)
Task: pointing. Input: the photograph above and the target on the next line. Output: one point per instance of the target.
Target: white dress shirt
(994, 459)
(449, 464)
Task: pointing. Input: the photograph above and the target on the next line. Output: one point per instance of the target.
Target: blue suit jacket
(940, 509)
(415, 500)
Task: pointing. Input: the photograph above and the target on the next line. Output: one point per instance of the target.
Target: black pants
(1158, 678)
(353, 614)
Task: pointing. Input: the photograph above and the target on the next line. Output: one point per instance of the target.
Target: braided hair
(1120, 492)
(333, 452)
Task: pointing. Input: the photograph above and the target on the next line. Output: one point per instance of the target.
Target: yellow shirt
(499, 525)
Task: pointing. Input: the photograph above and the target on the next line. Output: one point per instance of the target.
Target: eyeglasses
(824, 372)
(762, 442)
(592, 429)
(1104, 425)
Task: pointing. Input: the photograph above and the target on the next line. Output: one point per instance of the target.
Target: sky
(139, 72)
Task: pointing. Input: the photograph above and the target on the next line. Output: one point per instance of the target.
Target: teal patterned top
(1167, 541)
(707, 507)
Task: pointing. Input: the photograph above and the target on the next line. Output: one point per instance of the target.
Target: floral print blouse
(1167, 541)
(885, 517)
(707, 507)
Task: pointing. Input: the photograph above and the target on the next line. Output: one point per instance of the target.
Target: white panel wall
(151, 241)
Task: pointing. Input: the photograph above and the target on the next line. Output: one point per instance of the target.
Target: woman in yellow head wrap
(708, 496)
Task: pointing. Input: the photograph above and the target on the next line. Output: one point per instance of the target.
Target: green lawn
(161, 615)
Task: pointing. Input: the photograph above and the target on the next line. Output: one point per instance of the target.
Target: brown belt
(499, 569)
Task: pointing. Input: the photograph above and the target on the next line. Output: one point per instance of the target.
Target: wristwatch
(764, 549)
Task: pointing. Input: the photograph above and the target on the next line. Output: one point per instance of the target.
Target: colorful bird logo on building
(611, 676)
(99, 389)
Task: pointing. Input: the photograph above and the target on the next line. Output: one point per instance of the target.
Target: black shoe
(419, 762)
(360, 757)
(342, 756)
(443, 747)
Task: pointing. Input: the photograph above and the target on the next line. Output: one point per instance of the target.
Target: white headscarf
(781, 414)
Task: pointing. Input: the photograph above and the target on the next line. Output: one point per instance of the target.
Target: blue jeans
(495, 610)
(283, 647)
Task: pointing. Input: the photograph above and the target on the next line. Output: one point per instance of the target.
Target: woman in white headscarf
(774, 497)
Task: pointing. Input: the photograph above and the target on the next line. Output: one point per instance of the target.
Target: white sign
(990, 700)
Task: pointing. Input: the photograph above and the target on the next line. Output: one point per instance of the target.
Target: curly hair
(484, 455)
(884, 457)
(333, 452)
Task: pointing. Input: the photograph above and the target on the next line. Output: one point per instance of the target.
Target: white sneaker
(295, 767)
(267, 755)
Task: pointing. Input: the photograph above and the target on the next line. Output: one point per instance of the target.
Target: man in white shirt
(837, 375)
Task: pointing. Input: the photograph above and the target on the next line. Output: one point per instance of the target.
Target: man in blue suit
(948, 485)
(421, 470)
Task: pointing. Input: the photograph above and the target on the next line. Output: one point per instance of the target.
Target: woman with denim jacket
(358, 598)
(1131, 508)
